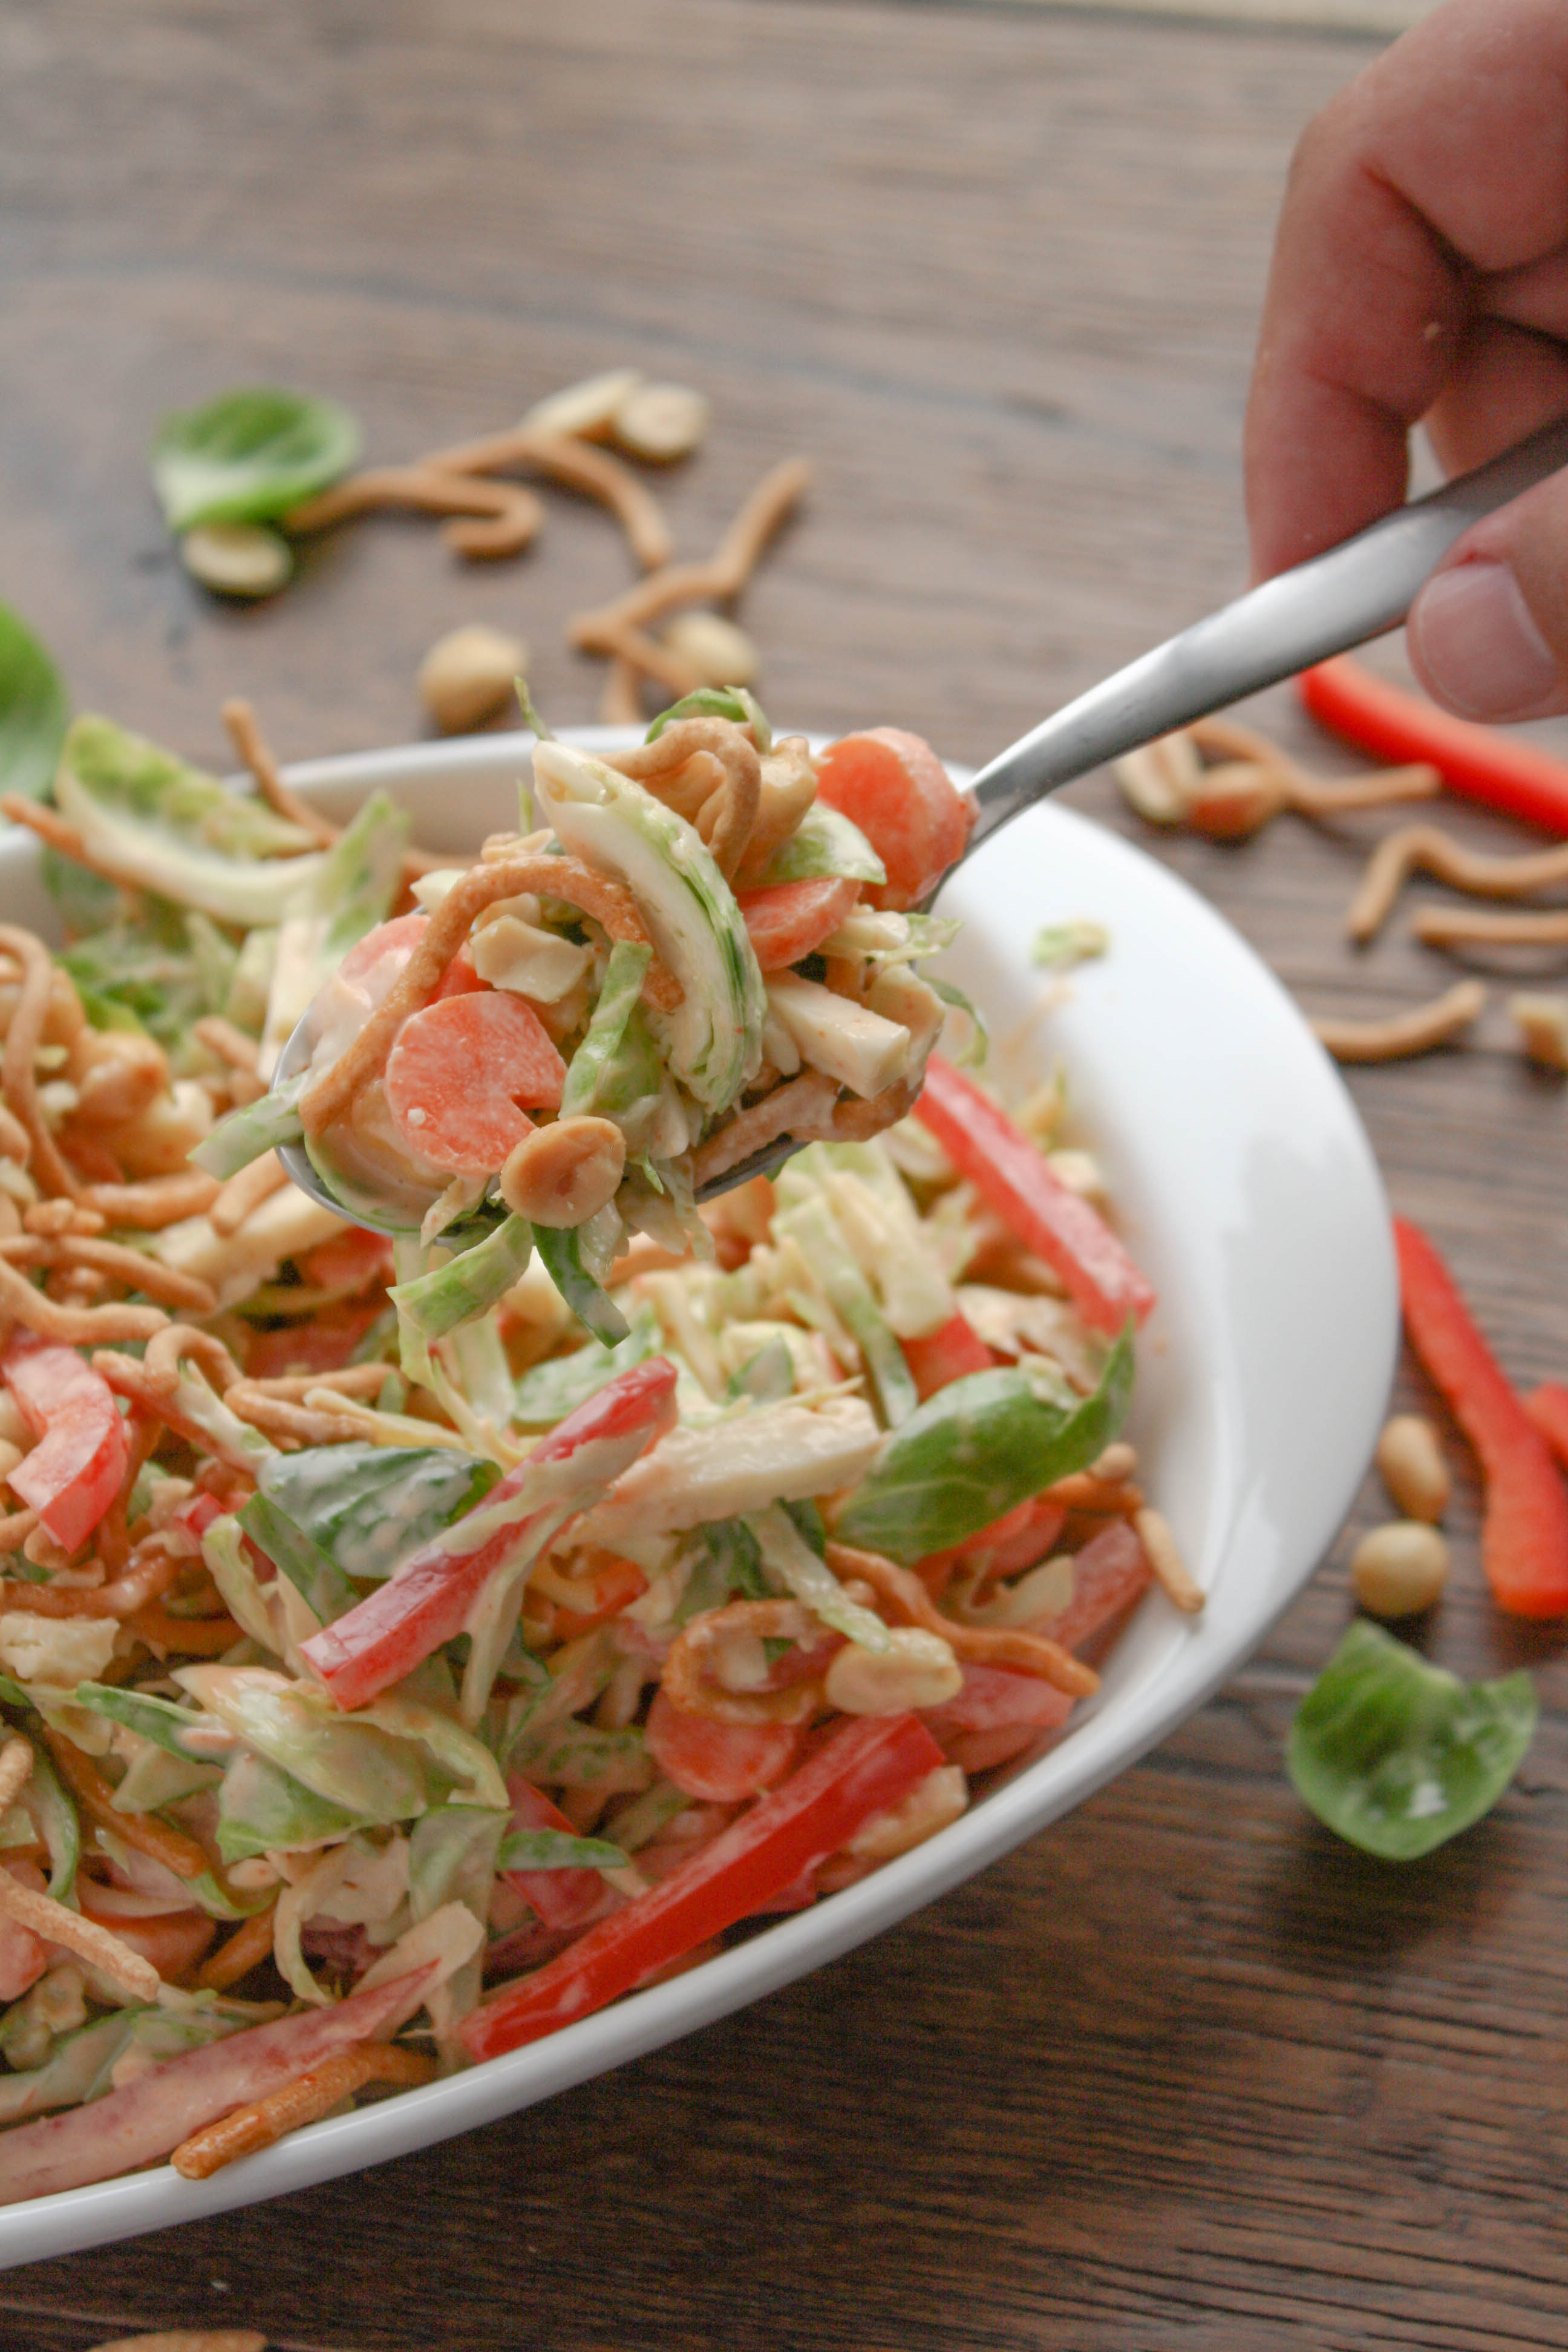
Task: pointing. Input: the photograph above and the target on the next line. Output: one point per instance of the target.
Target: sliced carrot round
(396, 940)
(458, 1072)
(893, 786)
(790, 919)
(716, 1761)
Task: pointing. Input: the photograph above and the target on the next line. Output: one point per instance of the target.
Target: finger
(1406, 196)
(1488, 633)
(1504, 383)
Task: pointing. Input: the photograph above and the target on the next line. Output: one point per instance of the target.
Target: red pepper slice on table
(74, 1472)
(865, 1767)
(1501, 772)
(424, 1603)
(1011, 1177)
(1524, 1533)
(1548, 1408)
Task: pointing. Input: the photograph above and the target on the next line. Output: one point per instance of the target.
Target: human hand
(1420, 272)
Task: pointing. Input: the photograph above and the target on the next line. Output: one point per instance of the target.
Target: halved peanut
(720, 654)
(565, 1171)
(662, 422)
(237, 558)
(468, 675)
(1542, 1023)
(916, 1669)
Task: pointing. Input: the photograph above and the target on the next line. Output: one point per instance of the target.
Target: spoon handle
(1357, 591)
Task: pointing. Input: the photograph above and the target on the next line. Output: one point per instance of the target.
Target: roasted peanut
(916, 1669)
(565, 1171)
(237, 558)
(1399, 1567)
(587, 408)
(1411, 1466)
(468, 675)
(719, 653)
(660, 422)
(1543, 1023)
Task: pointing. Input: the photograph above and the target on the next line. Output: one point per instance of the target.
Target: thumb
(1488, 636)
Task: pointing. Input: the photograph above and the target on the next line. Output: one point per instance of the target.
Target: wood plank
(1183, 2073)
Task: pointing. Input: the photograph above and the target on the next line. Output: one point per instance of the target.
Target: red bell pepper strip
(1501, 772)
(561, 1897)
(1010, 1176)
(946, 1355)
(148, 2117)
(428, 1601)
(1020, 1539)
(1548, 1408)
(1524, 1531)
(76, 1469)
(1109, 1575)
(865, 1767)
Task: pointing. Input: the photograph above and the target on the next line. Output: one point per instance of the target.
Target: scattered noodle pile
(1228, 781)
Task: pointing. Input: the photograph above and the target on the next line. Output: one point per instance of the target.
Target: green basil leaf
(249, 455)
(558, 1849)
(1396, 1756)
(363, 1507)
(325, 1588)
(978, 1449)
(33, 712)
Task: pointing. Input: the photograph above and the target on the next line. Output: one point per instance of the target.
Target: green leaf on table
(1395, 1754)
(249, 455)
(33, 712)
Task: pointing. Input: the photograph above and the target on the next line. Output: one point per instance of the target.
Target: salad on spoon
(704, 946)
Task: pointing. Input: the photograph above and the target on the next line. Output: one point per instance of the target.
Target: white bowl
(1246, 1188)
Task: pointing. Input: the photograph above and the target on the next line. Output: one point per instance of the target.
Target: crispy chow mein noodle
(409, 1645)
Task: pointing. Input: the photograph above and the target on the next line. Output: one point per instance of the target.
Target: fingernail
(1477, 645)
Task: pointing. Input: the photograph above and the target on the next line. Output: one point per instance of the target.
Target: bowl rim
(1100, 1748)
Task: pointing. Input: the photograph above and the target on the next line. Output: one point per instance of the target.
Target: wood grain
(1183, 2075)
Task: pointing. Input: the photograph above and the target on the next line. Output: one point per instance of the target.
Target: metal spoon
(1355, 592)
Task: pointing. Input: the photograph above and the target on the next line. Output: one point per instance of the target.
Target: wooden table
(1183, 2073)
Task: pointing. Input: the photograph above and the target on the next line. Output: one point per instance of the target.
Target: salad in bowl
(414, 1640)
